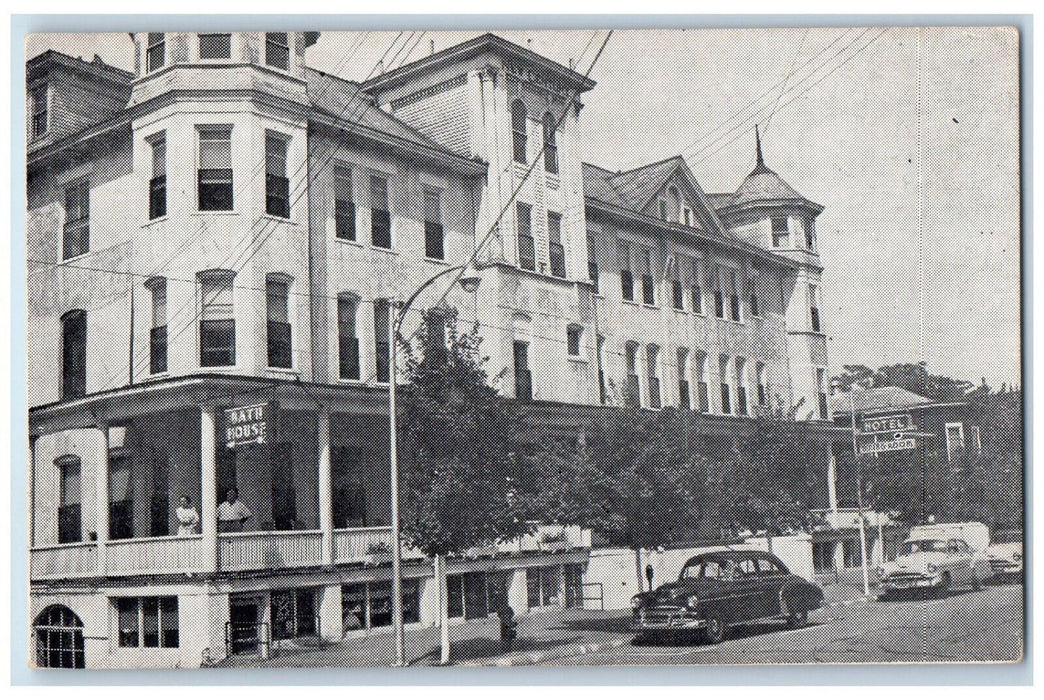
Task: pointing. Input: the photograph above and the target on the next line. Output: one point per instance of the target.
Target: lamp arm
(413, 297)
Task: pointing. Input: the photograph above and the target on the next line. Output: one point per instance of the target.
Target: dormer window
(215, 46)
(156, 53)
(810, 233)
(518, 131)
(277, 50)
(780, 232)
(39, 111)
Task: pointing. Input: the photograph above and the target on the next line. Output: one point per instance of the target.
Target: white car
(1005, 555)
(933, 565)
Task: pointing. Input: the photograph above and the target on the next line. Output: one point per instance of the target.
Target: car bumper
(666, 620)
(1002, 566)
(906, 584)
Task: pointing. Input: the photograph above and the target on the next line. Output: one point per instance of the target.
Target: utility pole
(859, 496)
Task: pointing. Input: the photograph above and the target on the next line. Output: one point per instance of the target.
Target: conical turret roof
(763, 184)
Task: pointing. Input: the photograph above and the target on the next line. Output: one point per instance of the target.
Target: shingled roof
(881, 398)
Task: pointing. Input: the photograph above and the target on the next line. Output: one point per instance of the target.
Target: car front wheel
(797, 620)
(714, 632)
(944, 585)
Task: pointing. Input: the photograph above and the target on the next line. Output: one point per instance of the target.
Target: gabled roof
(344, 102)
(480, 44)
(881, 398)
(97, 68)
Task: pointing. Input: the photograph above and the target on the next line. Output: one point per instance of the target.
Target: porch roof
(116, 406)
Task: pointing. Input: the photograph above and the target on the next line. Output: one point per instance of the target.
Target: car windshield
(914, 546)
(1007, 536)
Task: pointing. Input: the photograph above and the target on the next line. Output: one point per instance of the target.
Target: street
(964, 626)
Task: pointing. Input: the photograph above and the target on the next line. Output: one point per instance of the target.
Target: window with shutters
(277, 50)
(39, 105)
(76, 234)
(347, 336)
(623, 254)
(217, 325)
(741, 386)
(380, 213)
(677, 289)
(653, 361)
(684, 400)
(726, 390)
(215, 46)
(526, 244)
(550, 144)
(156, 52)
(277, 293)
(695, 282)
(74, 354)
(344, 203)
(632, 388)
(158, 182)
(434, 239)
(556, 250)
(645, 269)
(518, 131)
(762, 380)
(158, 331)
(215, 168)
(702, 386)
(277, 184)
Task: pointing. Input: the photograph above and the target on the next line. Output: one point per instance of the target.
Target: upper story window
(687, 216)
(556, 250)
(158, 182)
(623, 253)
(645, 269)
(726, 391)
(277, 50)
(810, 233)
(523, 375)
(663, 210)
(277, 184)
(727, 293)
(215, 168)
(217, 325)
(74, 354)
(156, 52)
(70, 498)
(550, 143)
(762, 380)
(702, 388)
(632, 389)
(380, 213)
(674, 204)
(215, 46)
(813, 308)
(683, 378)
(277, 294)
(574, 333)
(158, 330)
(526, 244)
(347, 336)
(780, 232)
(39, 100)
(592, 263)
(344, 203)
(677, 290)
(741, 386)
(696, 285)
(434, 238)
(518, 131)
(76, 235)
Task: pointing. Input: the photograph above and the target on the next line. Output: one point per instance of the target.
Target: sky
(907, 137)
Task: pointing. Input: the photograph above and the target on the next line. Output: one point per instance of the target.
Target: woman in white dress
(188, 518)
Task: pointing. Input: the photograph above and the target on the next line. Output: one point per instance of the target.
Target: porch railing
(357, 544)
(62, 560)
(154, 555)
(243, 551)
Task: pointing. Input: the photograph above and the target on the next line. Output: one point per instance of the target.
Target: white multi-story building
(225, 226)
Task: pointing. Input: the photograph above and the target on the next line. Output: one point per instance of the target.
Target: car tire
(797, 620)
(944, 585)
(714, 632)
(976, 583)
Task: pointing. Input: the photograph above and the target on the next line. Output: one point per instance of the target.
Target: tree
(460, 467)
(913, 377)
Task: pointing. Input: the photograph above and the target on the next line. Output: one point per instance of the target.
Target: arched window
(518, 131)
(550, 144)
(74, 354)
(59, 638)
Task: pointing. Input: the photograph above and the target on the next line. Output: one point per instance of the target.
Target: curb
(538, 657)
(568, 650)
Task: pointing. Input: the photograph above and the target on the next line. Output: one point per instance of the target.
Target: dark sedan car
(723, 588)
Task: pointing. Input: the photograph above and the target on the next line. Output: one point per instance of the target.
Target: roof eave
(766, 203)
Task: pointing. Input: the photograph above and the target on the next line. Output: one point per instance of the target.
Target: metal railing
(248, 638)
(600, 597)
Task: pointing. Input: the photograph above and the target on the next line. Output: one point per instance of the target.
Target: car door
(772, 580)
(746, 599)
(959, 561)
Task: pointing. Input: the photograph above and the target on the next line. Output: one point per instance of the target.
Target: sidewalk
(541, 635)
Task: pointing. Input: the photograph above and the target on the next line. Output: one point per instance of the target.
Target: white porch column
(101, 480)
(326, 523)
(831, 477)
(208, 490)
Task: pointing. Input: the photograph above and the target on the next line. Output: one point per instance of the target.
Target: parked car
(719, 589)
(1005, 555)
(933, 565)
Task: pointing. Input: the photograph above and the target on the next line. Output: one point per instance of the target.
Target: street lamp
(469, 281)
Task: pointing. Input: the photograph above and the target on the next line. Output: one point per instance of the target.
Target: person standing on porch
(188, 518)
(232, 513)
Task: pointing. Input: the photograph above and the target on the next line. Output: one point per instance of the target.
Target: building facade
(226, 227)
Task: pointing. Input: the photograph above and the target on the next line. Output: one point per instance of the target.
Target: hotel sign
(899, 422)
(249, 425)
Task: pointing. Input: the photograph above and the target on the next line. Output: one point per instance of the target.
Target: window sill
(382, 249)
(156, 376)
(350, 382)
(649, 306)
(437, 261)
(157, 220)
(290, 371)
(579, 359)
(630, 302)
(74, 258)
(349, 241)
(277, 219)
(215, 212)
